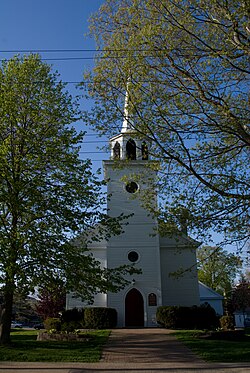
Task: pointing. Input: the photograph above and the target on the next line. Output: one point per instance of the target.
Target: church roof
(178, 240)
(207, 293)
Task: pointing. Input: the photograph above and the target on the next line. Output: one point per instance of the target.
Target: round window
(132, 187)
(133, 256)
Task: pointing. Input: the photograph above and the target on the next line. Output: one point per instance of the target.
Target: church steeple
(128, 145)
(127, 121)
(139, 242)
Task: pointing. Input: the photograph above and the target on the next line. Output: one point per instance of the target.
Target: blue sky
(48, 25)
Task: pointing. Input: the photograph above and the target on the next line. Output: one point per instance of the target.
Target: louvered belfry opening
(131, 150)
(144, 151)
(117, 150)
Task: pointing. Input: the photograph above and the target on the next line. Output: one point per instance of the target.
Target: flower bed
(61, 336)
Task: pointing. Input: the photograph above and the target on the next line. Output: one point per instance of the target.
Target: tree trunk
(5, 317)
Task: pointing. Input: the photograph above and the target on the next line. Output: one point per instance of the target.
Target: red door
(134, 309)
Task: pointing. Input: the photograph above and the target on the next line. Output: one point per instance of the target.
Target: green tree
(185, 67)
(48, 196)
(52, 300)
(24, 309)
(217, 268)
(240, 296)
(247, 274)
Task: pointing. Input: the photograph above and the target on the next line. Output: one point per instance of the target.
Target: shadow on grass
(216, 350)
(25, 347)
(20, 337)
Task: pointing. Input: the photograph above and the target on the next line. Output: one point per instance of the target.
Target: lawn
(216, 350)
(24, 347)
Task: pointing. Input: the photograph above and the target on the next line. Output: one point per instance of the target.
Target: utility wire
(139, 51)
(49, 50)
(94, 142)
(77, 50)
(93, 152)
(74, 58)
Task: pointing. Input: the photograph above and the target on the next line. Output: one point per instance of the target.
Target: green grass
(25, 347)
(216, 350)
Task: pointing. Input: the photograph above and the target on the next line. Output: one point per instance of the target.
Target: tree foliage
(48, 196)
(217, 268)
(185, 67)
(52, 300)
(240, 297)
(24, 309)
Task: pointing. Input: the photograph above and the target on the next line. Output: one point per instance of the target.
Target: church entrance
(134, 309)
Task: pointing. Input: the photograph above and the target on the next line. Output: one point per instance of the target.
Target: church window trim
(132, 187)
(152, 300)
(133, 256)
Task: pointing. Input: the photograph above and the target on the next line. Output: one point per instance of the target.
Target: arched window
(144, 151)
(131, 150)
(117, 150)
(152, 299)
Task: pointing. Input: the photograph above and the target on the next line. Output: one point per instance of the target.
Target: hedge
(195, 317)
(72, 319)
(52, 323)
(100, 318)
(89, 318)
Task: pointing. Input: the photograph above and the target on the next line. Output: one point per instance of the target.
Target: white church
(158, 257)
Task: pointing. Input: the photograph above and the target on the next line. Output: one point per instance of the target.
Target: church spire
(127, 121)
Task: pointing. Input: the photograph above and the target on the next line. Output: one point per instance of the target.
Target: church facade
(129, 175)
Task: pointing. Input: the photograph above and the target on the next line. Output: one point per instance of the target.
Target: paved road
(135, 350)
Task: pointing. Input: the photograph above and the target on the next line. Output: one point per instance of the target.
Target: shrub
(72, 319)
(227, 322)
(70, 326)
(167, 316)
(52, 323)
(100, 318)
(74, 315)
(179, 317)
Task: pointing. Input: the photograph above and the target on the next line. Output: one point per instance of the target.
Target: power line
(136, 82)
(91, 134)
(48, 50)
(90, 152)
(75, 58)
(77, 50)
(94, 142)
(91, 50)
(139, 51)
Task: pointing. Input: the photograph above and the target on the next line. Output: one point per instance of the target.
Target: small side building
(214, 299)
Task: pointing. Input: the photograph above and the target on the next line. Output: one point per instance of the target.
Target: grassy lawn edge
(215, 350)
(25, 347)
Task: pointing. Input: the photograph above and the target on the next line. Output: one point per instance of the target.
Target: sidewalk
(135, 350)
